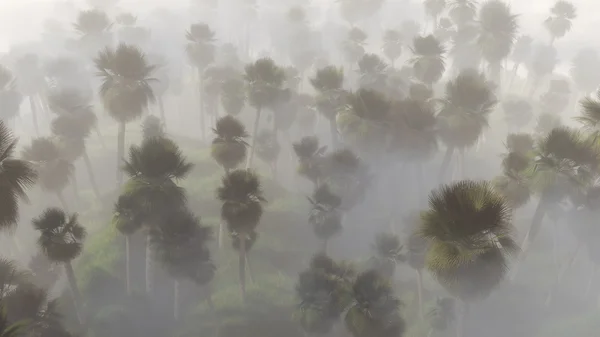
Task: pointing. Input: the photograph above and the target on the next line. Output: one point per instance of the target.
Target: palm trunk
(335, 141)
(161, 109)
(34, 115)
(201, 100)
(445, 163)
(515, 71)
(420, 292)
(120, 153)
(128, 263)
(221, 233)
(62, 201)
(176, 299)
(536, 223)
(254, 134)
(249, 269)
(242, 266)
(75, 187)
(90, 170)
(149, 265)
(74, 290)
(100, 138)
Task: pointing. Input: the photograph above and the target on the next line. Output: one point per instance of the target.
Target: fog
(348, 168)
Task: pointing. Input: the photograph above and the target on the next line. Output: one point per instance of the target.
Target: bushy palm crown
(590, 114)
(200, 49)
(10, 97)
(388, 252)
(264, 82)
(61, 235)
(373, 72)
(468, 101)
(414, 129)
(242, 198)
(434, 8)
(153, 127)
(462, 11)
(559, 21)
(92, 22)
(443, 314)
(497, 30)
(513, 184)
(15, 177)
(428, 60)
(53, 170)
(310, 155)
(127, 217)
(233, 96)
(325, 215)
(468, 226)
(229, 146)
(126, 78)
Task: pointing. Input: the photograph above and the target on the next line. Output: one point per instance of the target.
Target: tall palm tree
(153, 127)
(201, 53)
(353, 46)
(268, 149)
(468, 102)
(392, 45)
(518, 112)
(434, 8)
(181, 246)
(428, 60)
(265, 87)
(325, 215)
(520, 54)
(53, 170)
(559, 21)
(10, 97)
(128, 220)
(61, 239)
(93, 27)
(513, 184)
(470, 233)
(125, 90)
(73, 124)
(416, 251)
(497, 32)
(310, 155)
(374, 310)
(388, 253)
(373, 73)
(242, 198)
(233, 96)
(16, 176)
(153, 169)
(328, 82)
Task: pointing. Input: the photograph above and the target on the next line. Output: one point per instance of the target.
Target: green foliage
(61, 236)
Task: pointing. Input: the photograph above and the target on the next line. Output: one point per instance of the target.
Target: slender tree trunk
(420, 184)
(201, 100)
(242, 266)
(75, 186)
(90, 170)
(128, 263)
(149, 265)
(515, 71)
(420, 292)
(62, 200)
(254, 134)
(536, 223)
(34, 115)
(249, 268)
(120, 153)
(445, 163)
(161, 109)
(100, 138)
(74, 290)
(176, 299)
(335, 140)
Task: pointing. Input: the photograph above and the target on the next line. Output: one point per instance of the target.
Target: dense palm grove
(185, 181)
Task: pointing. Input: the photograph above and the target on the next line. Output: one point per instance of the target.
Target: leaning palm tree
(16, 176)
(153, 169)
(265, 87)
(470, 233)
(328, 82)
(242, 198)
(560, 20)
(513, 184)
(61, 239)
(233, 96)
(428, 60)
(10, 97)
(325, 215)
(375, 310)
(54, 171)
(125, 91)
(73, 124)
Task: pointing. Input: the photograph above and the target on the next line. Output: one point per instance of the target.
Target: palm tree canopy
(264, 80)
(92, 22)
(325, 215)
(522, 49)
(520, 143)
(392, 44)
(233, 95)
(61, 235)
(153, 127)
(127, 217)
(242, 198)
(75, 115)
(157, 159)
(428, 61)
(329, 78)
(498, 27)
(414, 129)
(462, 11)
(15, 177)
(267, 146)
(200, 49)
(126, 89)
(559, 22)
(229, 146)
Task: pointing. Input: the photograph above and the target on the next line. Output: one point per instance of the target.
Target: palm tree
(325, 215)
(44, 272)
(153, 127)
(16, 176)
(242, 198)
(201, 53)
(268, 149)
(388, 253)
(462, 12)
(128, 220)
(93, 27)
(470, 233)
(468, 102)
(264, 84)
(61, 239)
(559, 21)
(153, 169)
(8, 329)
(181, 246)
(497, 31)
(392, 45)
(328, 82)
(53, 170)
(353, 46)
(442, 315)
(125, 91)
(428, 60)
(557, 97)
(416, 252)
(374, 310)
(310, 155)
(161, 86)
(434, 8)
(520, 54)
(521, 143)
(513, 184)
(518, 112)
(73, 124)
(373, 73)
(10, 97)
(233, 96)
